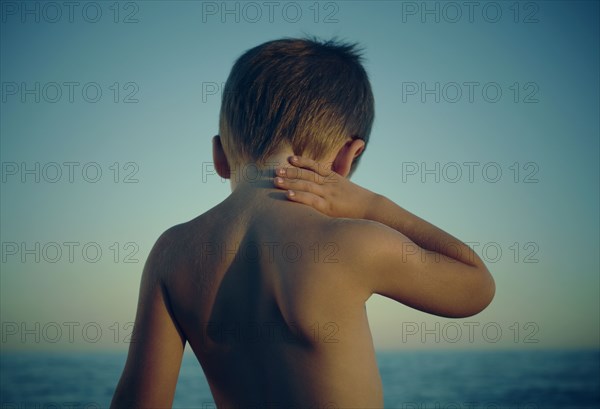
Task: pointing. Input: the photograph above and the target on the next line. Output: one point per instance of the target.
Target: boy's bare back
(263, 294)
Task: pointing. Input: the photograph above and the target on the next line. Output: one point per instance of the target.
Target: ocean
(411, 380)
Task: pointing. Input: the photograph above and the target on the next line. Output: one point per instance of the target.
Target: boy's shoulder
(353, 233)
(320, 239)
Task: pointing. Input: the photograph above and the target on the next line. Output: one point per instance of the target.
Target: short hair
(306, 94)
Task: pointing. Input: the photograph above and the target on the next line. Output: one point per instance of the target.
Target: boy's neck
(254, 176)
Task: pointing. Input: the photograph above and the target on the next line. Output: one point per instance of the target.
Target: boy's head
(303, 95)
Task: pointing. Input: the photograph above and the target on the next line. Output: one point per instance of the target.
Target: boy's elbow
(491, 289)
(481, 294)
(473, 297)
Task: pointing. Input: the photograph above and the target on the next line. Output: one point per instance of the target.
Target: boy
(269, 287)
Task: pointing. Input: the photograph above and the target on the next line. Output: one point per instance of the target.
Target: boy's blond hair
(303, 94)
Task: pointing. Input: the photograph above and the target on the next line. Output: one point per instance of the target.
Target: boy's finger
(301, 174)
(306, 198)
(311, 164)
(298, 185)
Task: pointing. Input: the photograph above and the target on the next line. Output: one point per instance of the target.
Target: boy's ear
(342, 163)
(219, 158)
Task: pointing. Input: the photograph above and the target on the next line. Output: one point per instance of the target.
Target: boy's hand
(434, 279)
(315, 185)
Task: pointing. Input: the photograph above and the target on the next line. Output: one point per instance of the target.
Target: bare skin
(269, 289)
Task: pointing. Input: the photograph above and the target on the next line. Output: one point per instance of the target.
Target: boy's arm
(422, 233)
(157, 344)
(410, 260)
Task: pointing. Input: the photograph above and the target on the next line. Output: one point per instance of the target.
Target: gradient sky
(536, 224)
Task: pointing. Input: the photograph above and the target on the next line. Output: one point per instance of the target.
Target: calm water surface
(411, 380)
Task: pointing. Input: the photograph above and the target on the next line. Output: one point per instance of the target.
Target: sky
(487, 125)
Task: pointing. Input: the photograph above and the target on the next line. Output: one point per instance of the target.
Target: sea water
(411, 380)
